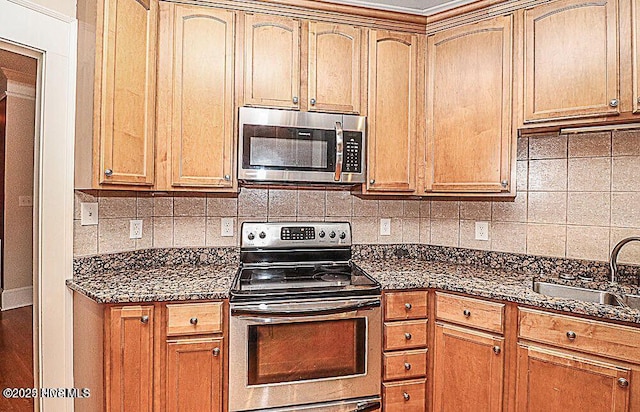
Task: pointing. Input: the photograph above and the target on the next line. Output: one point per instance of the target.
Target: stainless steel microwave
(300, 147)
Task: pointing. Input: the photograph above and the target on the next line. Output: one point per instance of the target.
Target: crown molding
(428, 11)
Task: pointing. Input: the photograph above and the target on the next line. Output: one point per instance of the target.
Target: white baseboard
(17, 298)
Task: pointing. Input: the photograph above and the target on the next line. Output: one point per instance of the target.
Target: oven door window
(291, 352)
(288, 148)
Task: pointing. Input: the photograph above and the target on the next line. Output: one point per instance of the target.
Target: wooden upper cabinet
(202, 84)
(393, 118)
(335, 68)
(129, 359)
(571, 60)
(469, 108)
(272, 61)
(635, 32)
(126, 86)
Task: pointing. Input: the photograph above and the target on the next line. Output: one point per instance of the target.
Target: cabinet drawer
(405, 335)
(404, 396)
(590, 336)
(405, 305)
(194, 318)
(474, 313)
(405, 365)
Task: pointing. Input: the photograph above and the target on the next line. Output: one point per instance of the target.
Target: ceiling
(419, 7)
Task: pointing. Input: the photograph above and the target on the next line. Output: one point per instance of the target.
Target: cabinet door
(194, 375)
(334, 67)
(468, 370)
(203, 82)
(469, 110)
(392, 128)
(129, 359)
(571, 60)
(272, 61)
(127, 91)
(550, 380)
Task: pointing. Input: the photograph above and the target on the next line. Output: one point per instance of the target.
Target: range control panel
(295, 234)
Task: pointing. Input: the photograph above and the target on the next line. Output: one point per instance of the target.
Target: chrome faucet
(613, 262)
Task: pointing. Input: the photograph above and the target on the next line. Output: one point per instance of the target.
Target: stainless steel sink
(633, 301)
(576, 293)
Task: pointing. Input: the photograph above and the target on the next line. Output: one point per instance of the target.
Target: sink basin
(576, 293)
(633, 301)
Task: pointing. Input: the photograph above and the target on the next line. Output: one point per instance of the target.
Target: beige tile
(425, 208)
(189, 231)
(311, 202)
(475, 210)
(283, 202)
(591, 174)
(163, 206)
(390, 208)
(445, 232)
(468, 234)
(339, 203)
(90, 196)
(190, 205)
(590, 144)
(626, 143)
(425, 230)
(551, 146)
(213, 237)
(85, 239)
(445, 209)
(364, 230)
(396, 233)
(222, 206)
(146, 241)
(588, 208)
(113, 205)
(548, 175)
(145, 205)
(113, 236)
(522, 175)
(252, 202)
(588, 242)
(365, 207)
(547, 207)
(411, 230)
(309, 218)
(625, 209)
(282, 218)
(630, 253)
(509, 237)
(546, 240)
(162, 231)
(411, 208)
(625, 174)
(511, 210)
(523, 148)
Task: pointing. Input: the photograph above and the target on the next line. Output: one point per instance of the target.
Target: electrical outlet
(88, 214)
(385, 227)
(135, 229)
(482, 230)
(226, 227)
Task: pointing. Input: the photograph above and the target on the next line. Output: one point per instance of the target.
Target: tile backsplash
(577, 196)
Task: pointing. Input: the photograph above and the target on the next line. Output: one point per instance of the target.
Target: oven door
(306, 352)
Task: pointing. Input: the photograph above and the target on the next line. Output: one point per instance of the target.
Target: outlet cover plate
(135, 229)
(482, 230)
(88, 214)
(226, 227)
(385, 227)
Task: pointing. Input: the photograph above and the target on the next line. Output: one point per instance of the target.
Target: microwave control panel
(352, 152)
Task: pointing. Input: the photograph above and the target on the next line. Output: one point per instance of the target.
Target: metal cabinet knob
(108, 172)
(193, 321)
(638, 99)
(623, 383)
(407, 366)
(313, 102)
(372, 181)
(407, 306)
(571, 335)
(406, 396)
(504, 183)
(466, 313)
(144, 319)
(496, 350)
(613, 103)
(407, 336)
(227, 177)
(295, 99)
(216, 351)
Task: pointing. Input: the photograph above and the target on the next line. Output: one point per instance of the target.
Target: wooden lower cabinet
(404, 396)
(194, 375)
(553, 380)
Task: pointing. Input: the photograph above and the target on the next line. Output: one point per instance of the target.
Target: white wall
(66, 7)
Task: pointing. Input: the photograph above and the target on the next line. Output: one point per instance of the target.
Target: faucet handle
(613, 262)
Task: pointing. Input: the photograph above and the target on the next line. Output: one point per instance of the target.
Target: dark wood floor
(16, 356)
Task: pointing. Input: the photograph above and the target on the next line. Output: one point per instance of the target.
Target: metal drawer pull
(407, 336)
(193, 321)
(216, 351)
(623, 383)
(406, 396)
(496, 350)
(144, 319)
(466, 313)
(407, 366)
(571, 335)
(407, 306)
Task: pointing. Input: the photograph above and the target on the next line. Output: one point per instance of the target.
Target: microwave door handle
(339, 150)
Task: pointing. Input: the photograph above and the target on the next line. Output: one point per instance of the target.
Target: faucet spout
(613, 262)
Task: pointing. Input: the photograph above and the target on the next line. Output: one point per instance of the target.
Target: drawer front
(405, 335)
(474, 313)
(590, 336)
(404, 396)
(405, 305)
(405, 365)
(194, 318)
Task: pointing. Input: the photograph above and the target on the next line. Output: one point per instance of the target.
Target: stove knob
(321, 234)
(332, 234)
(343, 235)
(251, 236)
(262, 235)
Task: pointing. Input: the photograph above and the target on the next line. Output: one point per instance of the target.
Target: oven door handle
(261, 313)
(367, 406)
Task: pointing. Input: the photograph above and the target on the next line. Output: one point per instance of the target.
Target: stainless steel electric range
(305, 325)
